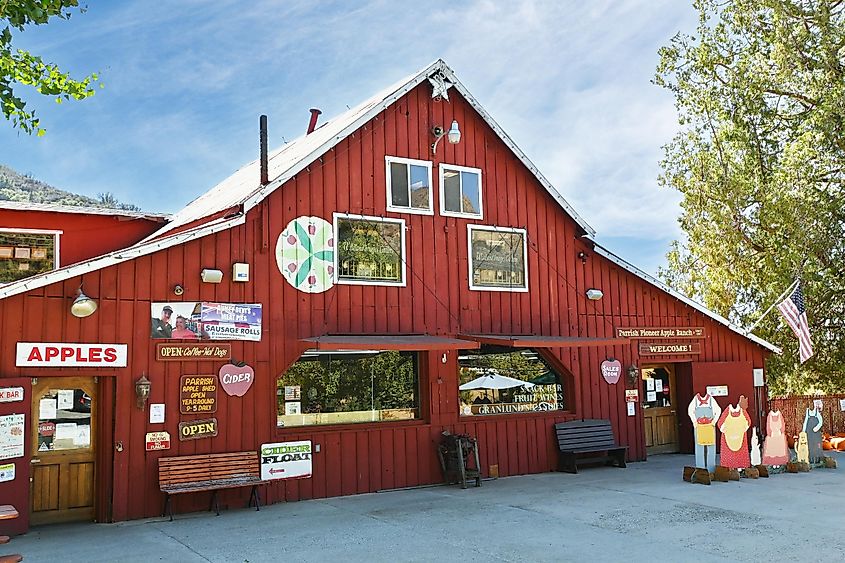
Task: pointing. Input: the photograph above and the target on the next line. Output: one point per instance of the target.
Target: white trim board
(681, 297)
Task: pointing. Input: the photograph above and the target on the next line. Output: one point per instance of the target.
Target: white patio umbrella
(495, 381)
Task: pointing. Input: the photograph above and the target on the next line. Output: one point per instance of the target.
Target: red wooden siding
(437, 300)
(84, 235)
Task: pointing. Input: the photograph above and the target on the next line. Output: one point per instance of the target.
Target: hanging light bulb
(83, 306)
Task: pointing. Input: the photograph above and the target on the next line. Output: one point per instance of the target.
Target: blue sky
(186, 80)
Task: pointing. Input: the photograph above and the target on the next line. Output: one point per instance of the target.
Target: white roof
(243, 187)
(59, 208)
(680, 296)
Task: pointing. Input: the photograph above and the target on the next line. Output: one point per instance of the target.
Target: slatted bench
(209, 472)
(580, 437)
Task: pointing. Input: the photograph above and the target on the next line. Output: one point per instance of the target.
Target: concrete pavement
(642, 513)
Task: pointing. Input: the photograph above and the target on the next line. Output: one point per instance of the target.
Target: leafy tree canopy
(760, 161)
(21, 68)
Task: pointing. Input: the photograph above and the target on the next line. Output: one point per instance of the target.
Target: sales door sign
(198, 394)
(11, 394)
(286, 460)
(11, 436)
(157, 441)
(63, 354)
(196, 429)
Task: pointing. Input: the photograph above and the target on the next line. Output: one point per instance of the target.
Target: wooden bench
(8, 512)
(209, 472)
(580, 437)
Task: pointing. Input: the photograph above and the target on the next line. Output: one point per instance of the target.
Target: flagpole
(778, 300)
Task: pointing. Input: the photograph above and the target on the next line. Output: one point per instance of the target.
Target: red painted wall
(84, 235)
(368, 457)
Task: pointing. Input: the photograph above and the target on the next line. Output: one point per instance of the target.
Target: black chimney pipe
(262, 128)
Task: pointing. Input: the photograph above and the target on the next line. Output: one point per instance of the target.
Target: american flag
(793, 310)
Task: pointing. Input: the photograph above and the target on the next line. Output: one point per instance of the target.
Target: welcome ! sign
(63, 354)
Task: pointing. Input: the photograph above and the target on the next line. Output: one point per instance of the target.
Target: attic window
(408, 185)
(460, 191)
(27, 252)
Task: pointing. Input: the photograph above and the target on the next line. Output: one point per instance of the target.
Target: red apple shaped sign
(610, 370)
(236, 379)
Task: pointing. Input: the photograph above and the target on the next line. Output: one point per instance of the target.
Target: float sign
(286, 460)
(157, 441)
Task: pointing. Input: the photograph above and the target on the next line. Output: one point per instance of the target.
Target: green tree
(760, 161)
(21, 68)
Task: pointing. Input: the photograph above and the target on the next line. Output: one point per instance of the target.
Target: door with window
(64, 411)
(660, 409)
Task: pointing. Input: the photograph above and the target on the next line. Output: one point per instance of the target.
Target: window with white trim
(27, 252)
(460, 191)
(370, 250)
(498, 258)
(408, 185)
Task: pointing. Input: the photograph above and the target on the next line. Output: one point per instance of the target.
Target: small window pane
(399, 185)
(452, 191)
(369, 250)
(469, 189)
(497, 259)
(25, 254)
(419, 187)
(64, 420)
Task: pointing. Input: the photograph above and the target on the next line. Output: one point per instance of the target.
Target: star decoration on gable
(439, 85)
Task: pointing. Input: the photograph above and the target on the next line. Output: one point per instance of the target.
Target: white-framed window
(27, 252)
(498, 258)
(408, 185)
(370, 250)
(460, 191)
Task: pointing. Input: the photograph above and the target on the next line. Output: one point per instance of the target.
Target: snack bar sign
(57, 354)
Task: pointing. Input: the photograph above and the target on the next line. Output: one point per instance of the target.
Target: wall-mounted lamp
(83, 306)
(594, 294)
(582, 256)
(633, 372)
(178, 289)
(142, 391)
(211, 276)
(454, 135)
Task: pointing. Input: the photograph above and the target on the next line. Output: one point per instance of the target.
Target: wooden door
(63, 450)
(660, 409)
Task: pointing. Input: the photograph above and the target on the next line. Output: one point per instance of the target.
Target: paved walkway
(643, 513)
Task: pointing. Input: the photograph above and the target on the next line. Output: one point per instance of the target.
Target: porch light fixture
(594, 294)
(142, 391)
(454, 135)
(83, 306)
(633, 372)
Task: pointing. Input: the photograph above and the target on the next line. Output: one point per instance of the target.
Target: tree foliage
(21, 68)
(760, 161)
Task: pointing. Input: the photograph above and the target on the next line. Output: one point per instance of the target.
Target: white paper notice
(47, 409)
(156, 413)
(293, 408)
(65, 399)
(65, 431)
(650, 396)
(658, 385)
(632, 409)
(83, 436)
(11, 436)
(842, 405)
(7, 472)
(649, 384)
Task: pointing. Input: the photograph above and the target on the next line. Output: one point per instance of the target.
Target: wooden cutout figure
(812, 427)
(755, 448)
(734, 424)
(775, 450)
(802, 450)
(704, 411)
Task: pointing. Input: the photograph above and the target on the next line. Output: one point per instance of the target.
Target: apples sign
(236, 379)
(610, 370)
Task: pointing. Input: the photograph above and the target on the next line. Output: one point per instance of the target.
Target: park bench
(579, 437)
(209, 472)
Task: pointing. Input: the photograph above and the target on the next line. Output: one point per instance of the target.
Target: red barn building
(402, 270)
